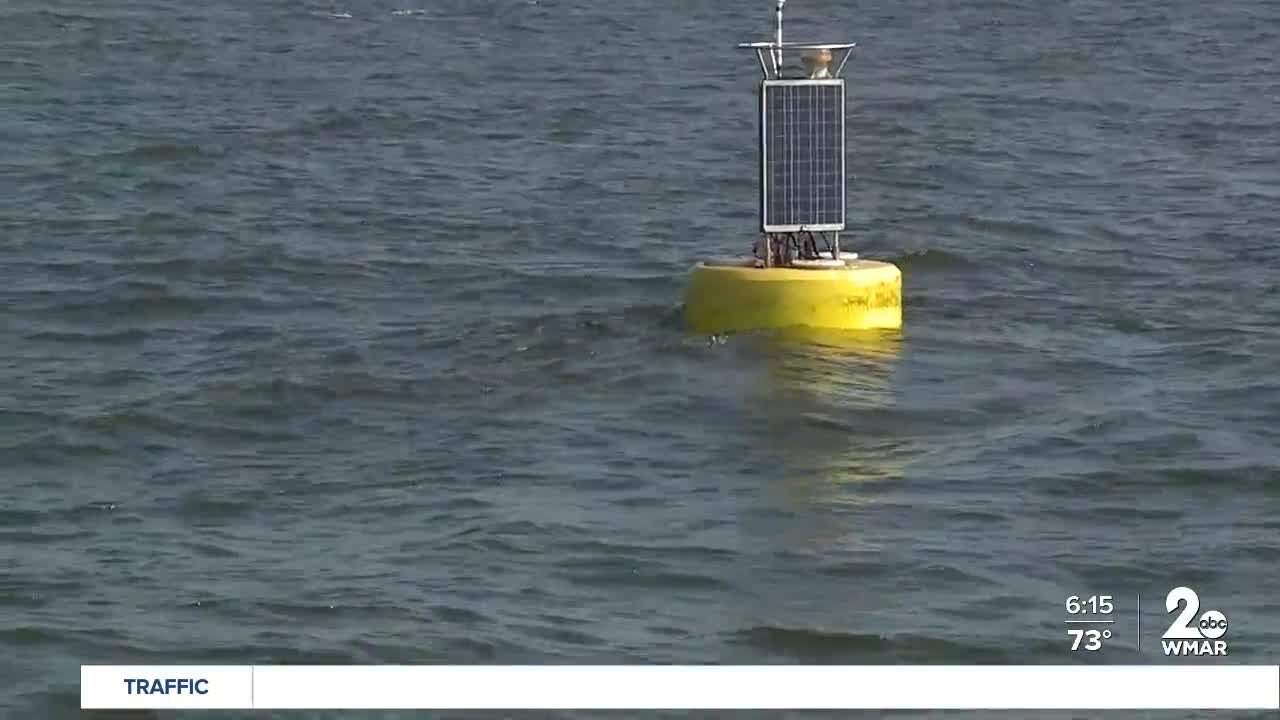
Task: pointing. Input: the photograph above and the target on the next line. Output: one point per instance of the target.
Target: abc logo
(1213, 624)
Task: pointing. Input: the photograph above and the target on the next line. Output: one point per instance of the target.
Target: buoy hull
(862, 295)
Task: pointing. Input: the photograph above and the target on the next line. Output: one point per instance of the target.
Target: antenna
(777, 62)
(802, 151)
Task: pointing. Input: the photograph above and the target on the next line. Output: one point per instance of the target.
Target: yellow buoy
(791, 281)
(737, 296)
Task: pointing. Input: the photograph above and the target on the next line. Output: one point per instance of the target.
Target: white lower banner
(699, 687)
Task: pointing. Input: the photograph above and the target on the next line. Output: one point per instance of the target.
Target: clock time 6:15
(1091, 605)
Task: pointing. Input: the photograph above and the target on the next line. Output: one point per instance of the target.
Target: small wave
(281, 397)
(1012, 229)
(162, 152)
(153, 305)
(560, 635)
(126, 422)
(1126, 321)
(201, 507)
(666, 581)
(28, 636)
(931, 259)
(19, 517)
(454, 614)
(246, 333)
(330, 122)
(67, 17)
(128, 336)
(860, 569)
(51, 450)
(826, 645)
(655, 552)
(1234, 477)
(809, 642)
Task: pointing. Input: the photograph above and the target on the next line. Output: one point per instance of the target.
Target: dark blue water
(358, 339)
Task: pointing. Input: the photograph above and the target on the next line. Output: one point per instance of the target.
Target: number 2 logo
(1182, 627)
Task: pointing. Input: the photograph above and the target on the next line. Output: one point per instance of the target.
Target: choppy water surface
(358, 340)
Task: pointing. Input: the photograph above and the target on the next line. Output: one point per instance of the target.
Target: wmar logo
(1188, 636)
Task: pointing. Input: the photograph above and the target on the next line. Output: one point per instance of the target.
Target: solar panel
(803, 163)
